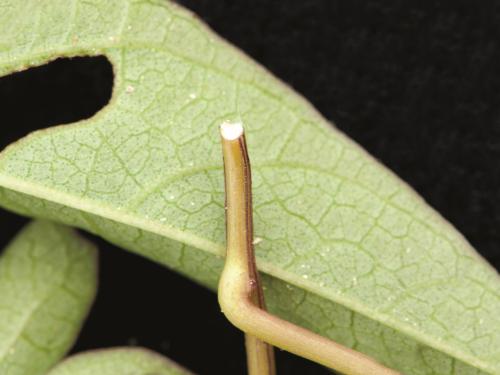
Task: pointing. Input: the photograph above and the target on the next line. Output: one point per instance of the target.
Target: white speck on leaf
(257, 240)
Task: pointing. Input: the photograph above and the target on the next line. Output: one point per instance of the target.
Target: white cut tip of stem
(231, 130)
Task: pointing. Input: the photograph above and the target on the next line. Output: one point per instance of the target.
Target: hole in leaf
(63, 91)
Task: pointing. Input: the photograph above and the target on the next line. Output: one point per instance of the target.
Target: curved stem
(260, 356)
(239, 286)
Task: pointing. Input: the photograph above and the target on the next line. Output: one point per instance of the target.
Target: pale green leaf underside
(47, 283)
(348, 249)
(118, 361)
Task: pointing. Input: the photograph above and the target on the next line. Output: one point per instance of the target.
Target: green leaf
(47, 283)
(118, 361)
(348, 250)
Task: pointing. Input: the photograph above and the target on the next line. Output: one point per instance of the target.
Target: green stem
(260, 356)
(240, 294)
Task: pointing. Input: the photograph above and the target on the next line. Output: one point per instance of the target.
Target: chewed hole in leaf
(64, 91)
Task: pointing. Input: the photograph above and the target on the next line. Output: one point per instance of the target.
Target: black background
(416, 83)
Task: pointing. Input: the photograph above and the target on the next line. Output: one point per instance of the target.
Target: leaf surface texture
(47, 283)
(118, 361)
